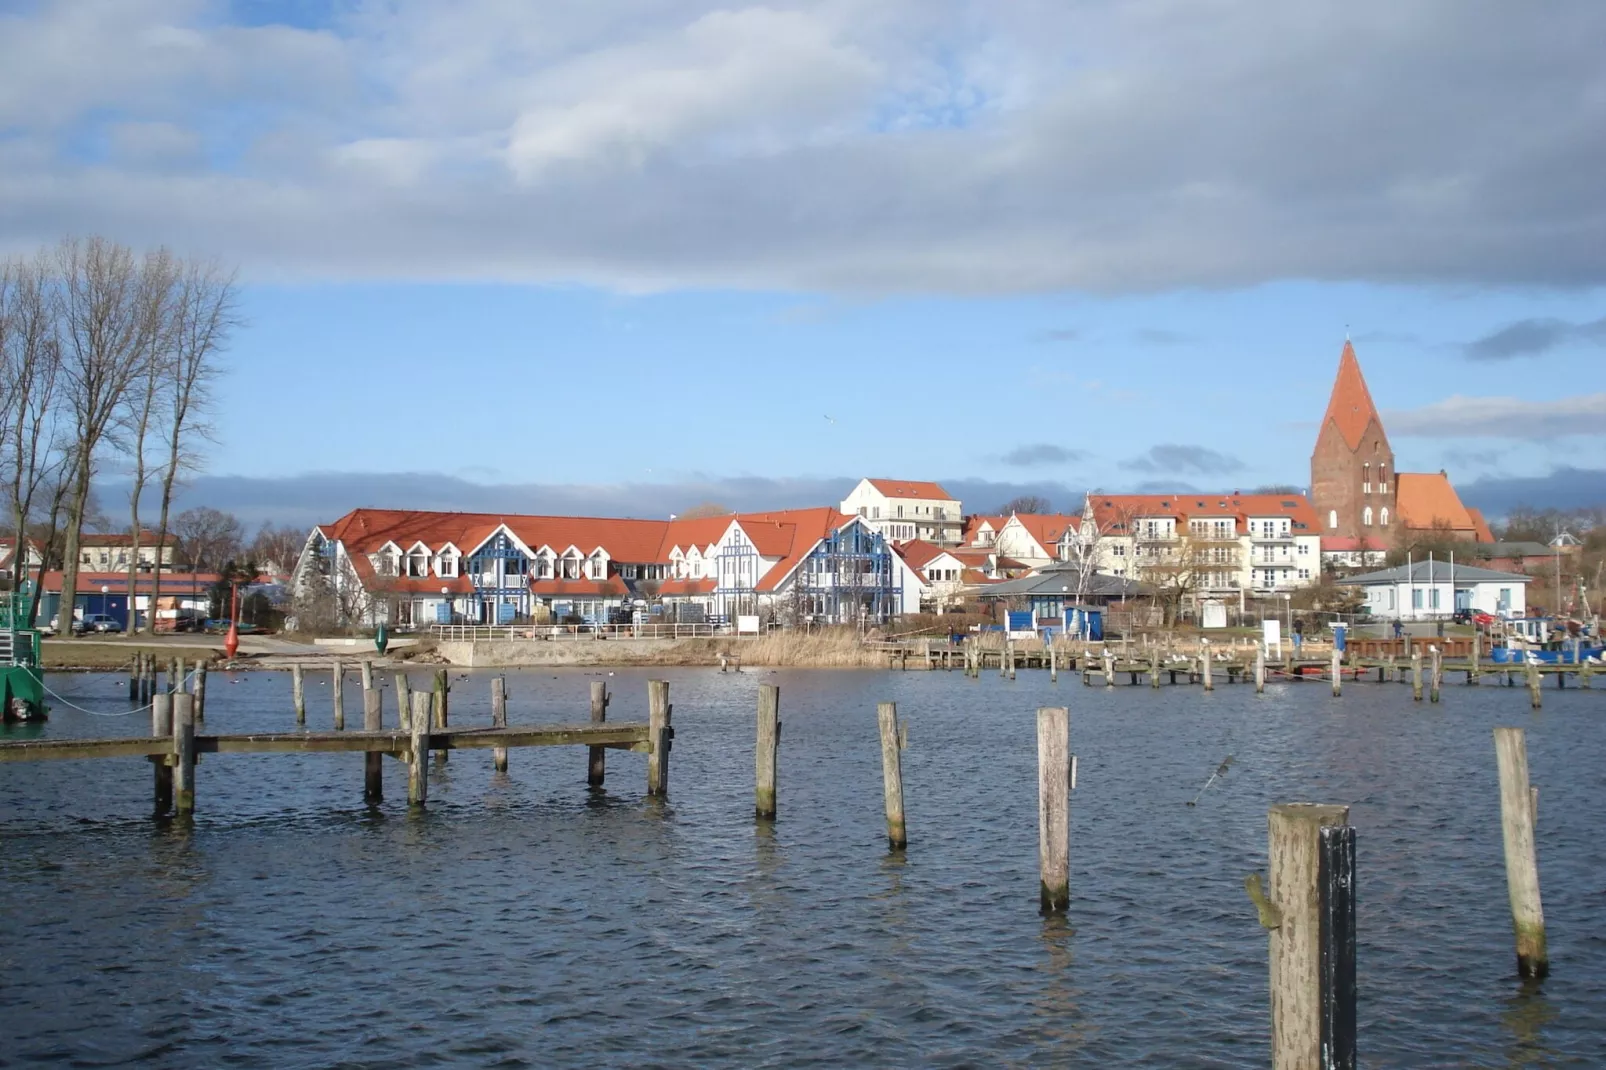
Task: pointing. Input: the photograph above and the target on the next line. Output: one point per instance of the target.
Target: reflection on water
(528, 919)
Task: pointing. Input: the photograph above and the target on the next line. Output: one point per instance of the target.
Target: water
(527, 921)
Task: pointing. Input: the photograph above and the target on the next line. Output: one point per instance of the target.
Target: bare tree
(704, 509)
(104, 330)
(208, 537)
(142, 410)
(278, 549)
(1030, 504)
(203, 317)
(30, 368)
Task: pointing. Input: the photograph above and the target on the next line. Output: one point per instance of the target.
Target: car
(97, 622)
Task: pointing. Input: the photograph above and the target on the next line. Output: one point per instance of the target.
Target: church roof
(1350, 407)
(1427, 498)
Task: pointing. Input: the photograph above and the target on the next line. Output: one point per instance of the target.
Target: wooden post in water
(1154, 670)
(1477, 644)
(1416, 675)
(1206, 667)
(499, 720)
(404, 701)
(1335, 877)
(1109, 668)
(1534, 697)
(892, 773)
(1294, 903)
(175, 675)
(367, 675)
(298, 693)
(1336, 670)
(597, 764)
(1054, 808)
(1517, 818)
(162, 728)
(659, 736)
(373, 780)
(442, 715)
(1260, 667)
(338, 681)
(199, 687)
(1436, 677)
(765, 751)
(418, 755)
(184, 753)
(1053, 663)
(133, 678)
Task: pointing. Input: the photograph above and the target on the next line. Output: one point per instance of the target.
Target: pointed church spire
(1350, 407)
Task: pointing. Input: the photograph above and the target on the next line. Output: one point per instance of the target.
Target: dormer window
(448, 566)
(418, 564)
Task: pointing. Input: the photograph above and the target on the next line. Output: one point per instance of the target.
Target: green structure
(22, 689)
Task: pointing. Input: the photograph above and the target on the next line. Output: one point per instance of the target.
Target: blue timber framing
(736, 569)
(850, 577)
(500, 573)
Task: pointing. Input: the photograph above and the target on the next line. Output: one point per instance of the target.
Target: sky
(623, 256)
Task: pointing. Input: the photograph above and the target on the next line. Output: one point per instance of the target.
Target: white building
(903, 510)
(1225, 543)
(1434, 590)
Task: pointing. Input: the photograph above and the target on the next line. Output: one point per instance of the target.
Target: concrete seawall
(518, 653)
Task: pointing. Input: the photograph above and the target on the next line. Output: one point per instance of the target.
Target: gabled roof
(910, 488)
(1427, 498)
(1480, 525)
(1433, 572)
(974, 524)
(1047, 528)
(1350, 406)
(1110, 510)
(917, 553)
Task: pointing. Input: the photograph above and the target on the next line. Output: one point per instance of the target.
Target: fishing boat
(22, 686)
(1546, 641)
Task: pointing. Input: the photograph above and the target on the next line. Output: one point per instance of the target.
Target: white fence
(464, 633)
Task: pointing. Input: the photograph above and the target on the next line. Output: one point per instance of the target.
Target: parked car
(97, 622)
(219, 625)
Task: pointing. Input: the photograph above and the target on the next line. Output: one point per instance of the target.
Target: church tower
(1352, 479)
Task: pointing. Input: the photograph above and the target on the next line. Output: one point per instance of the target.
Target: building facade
(902, 510)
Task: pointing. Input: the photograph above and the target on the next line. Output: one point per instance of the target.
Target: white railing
(465, 633)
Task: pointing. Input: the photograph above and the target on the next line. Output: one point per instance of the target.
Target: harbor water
(526, 920)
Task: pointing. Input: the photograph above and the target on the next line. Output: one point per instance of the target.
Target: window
(1416, 598)
(1332, 518)
(418, 565)
(900, 512)
(1118, 550)
(1304, 573)
(1384, 516)
(1433, 597)
(1303, 549)
(875, 513)
(448, 566)
(1366, 516)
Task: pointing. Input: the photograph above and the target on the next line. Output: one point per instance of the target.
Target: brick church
(1364, 504)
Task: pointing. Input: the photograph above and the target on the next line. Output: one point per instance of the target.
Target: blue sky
(613, 256)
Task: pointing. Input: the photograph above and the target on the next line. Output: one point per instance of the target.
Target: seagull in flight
(829, 420)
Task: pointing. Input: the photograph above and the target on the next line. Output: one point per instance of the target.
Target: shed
(1430, 590)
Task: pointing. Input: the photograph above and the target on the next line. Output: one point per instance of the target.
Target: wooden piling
(338, 681)
(162, 728)
(1336, 671)
(298, 693)
(133, 678)
(499, 719)
(1535, 699)
(1416, 675)
(1206, 667)
(1054, 808)
(442, 714)
(660, 734)
(1294, 854)
(1154, 670)
(1435, 672)
(1335, 875)
(199, 688)
(1053, 664)
(373, 782)
(418, 754)
(765, 750)
(175, 675)
(1472, 670)
(597, 757)
(892, 773)
(404, 701)
(367, 675)
(1517, 819)
(1109, 668)
(1260, 668)
(183, 752)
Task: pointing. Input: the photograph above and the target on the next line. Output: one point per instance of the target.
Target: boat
(1546, 641)
(22, 685)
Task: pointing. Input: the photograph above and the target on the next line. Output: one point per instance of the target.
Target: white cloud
(844, 145)
(1467, 417)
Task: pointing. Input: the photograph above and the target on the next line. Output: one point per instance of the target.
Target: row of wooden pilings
(1204, 667)
(145, 683)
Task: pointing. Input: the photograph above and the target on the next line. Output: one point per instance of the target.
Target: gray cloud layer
(853, 145)
(1041, 453)
(1531, 337)
(1514, 418)
(1185, 460)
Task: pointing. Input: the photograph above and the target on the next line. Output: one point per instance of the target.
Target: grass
(113, 655)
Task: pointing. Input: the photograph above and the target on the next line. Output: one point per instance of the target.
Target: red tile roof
(911, 488)
(974, 523)
(1047, 528)
(1332, 544)
(917, 553)
(1110, 510)
(1350, 407)
(1425, 499)
(1480, 525)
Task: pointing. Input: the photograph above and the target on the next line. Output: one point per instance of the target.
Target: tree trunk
(69, 549)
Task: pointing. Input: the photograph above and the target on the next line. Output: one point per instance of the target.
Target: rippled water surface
(526, 920)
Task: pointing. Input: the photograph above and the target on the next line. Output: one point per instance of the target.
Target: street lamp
(446, 593)
(105, 599)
